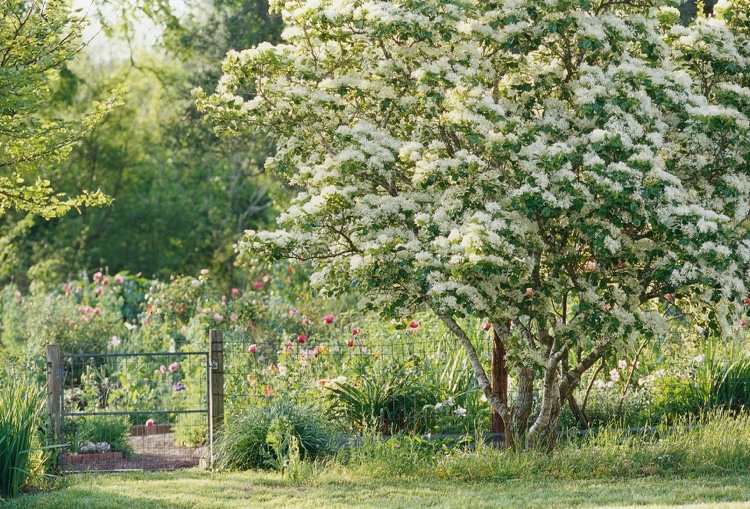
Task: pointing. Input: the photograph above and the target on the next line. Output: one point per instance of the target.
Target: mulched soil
(150, 452)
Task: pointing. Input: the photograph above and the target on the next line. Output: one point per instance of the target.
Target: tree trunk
(543, 433)
(499, 380)
(515, 435)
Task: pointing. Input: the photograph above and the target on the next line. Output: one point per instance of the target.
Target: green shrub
(388, 398)
(21, 407)
(265, 437)
(113, 430)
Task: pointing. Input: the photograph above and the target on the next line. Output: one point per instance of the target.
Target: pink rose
(162, 369)
(119, 279)
(97, 277)
(414, 324)
(259, 284)
(235, 293)
(174, 367)
(329, 319)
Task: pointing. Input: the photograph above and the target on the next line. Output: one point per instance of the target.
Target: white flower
(614, 375)
(115, 341)
(460, 411)
(622, 364)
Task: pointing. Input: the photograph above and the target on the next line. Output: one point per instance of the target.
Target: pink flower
(669, 297)
(486, 325)
(97, 277)
(356, 331)
(293, 312)
(174, 367)
(350, 343)
(529, 292)
(329, 319)
(301, 339)
(99, 290)
(747, 301)
(162, 369)
(150, 424)
(252, 348)
(218, 317)
(259, 284)
(119, 279)
(289, 346)
(743, 323)
(414, 324)
(607, 307)
(305, 321)
(67, 289)
(235, 293)
(591, 266)
(233, 317)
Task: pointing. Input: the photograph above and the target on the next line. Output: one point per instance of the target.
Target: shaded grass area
(196, 489)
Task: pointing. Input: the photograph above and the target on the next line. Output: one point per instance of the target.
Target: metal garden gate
(135, 411)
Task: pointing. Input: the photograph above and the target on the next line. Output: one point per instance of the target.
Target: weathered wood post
(215, 390)
(55, 390)
(499, 380)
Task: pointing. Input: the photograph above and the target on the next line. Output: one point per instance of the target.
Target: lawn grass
(198, 489)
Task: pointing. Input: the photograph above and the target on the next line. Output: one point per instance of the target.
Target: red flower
(743, 323)
(329, 319)
(150, 424)
(301, 339)
(747, 301)
(414, 324)
(252, 348)
(259, 284)
(356, 331)
(350, 343)
(268, 391)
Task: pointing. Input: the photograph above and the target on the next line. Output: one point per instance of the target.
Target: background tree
(558, 168)
(181, 196)
(36, 40)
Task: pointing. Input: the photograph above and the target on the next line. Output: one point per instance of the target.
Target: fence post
(55, 390)
(215, 389)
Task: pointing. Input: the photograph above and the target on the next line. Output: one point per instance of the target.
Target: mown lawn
(196, 489)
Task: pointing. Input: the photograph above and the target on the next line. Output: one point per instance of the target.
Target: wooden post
(499, 380)
(215, 390)
(55, 390)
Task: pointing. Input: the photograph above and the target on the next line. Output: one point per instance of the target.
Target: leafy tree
(36, 40)
(563, 168)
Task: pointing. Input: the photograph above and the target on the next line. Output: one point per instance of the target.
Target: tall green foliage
(20, 413)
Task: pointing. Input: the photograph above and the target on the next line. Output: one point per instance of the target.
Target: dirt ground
(150, 452)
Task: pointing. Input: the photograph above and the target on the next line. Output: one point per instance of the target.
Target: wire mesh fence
(402, 383)
(124, 411)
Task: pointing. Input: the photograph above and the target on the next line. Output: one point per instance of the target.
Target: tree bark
(543, 433)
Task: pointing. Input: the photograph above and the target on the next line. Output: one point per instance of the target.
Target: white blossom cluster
(499, 158)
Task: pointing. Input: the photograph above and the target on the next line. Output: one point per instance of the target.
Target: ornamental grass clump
(21, 406)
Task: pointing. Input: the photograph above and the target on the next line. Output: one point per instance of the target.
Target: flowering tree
(560, 167)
